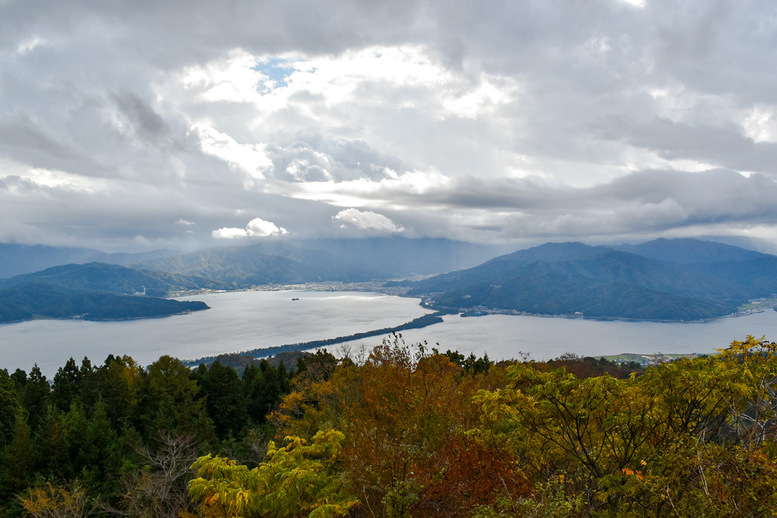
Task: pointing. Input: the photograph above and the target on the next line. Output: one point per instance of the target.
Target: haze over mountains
(677, 280)
(273, 261)
(72, 289)
(16, 259)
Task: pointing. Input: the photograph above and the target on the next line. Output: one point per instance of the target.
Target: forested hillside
(30, 301)
(113, 278)
(397, 431)
(97, 291)
(676, 280)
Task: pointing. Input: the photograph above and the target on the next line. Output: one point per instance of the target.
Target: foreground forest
(397, 431)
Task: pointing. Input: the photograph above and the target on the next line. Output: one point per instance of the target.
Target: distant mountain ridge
(659, 280)
(664, 279)
(690, 251)
(281, 261)
(159, 274)
(266, 263)
(112, 278)
(309, 261)
(17, 259)
(96, 291)
(30, 301)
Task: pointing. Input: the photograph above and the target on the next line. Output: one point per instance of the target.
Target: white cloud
(257, 227)
(366, 220)
(249, 158)
(635, 3)
(394, 191)
(52, 179)
(27, 46)
(484, 98)
(230, 233)
(229, 79)
(760, 124)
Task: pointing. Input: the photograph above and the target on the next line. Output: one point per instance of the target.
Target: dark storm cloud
(147, 125)
(21, 139)
(725, 146)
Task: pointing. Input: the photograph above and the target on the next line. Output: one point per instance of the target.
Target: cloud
(257, 227)
(498, 121)
(366, 220)
(139, 117)
(248, 158)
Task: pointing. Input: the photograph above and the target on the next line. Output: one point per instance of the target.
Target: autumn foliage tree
(694, 437)
(300, 479)
(405, 414)
(396, 431)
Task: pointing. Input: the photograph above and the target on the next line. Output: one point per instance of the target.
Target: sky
(139, 125)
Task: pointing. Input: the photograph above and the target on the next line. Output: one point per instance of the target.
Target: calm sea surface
(240, 321)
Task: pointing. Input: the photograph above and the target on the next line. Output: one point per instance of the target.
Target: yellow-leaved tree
(695, 437)
(299, 479)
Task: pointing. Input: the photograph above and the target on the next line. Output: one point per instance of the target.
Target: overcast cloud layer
(130, 125)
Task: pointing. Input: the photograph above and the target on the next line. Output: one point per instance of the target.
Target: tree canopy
(397, 431)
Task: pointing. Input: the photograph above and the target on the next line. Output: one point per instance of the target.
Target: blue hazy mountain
(403, 257)
(272, 261)
(346, 260)
(17, 259)
(29, 301)
(96, 291)
(114, 279)
(690, 251)
(663, 280)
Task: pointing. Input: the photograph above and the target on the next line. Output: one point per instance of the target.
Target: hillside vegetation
(30, 301)
(397, 431)
(96, 291)
(667, 280)
(675, 280)
(111, 278)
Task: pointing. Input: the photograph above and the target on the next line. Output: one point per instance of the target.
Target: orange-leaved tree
(405, 414)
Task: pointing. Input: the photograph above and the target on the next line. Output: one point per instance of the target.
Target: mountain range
(18, 259)
(676, 280)
(39, 284)
(30, 301)
(112, 278)
(97, 291)
(345, 260)
(273, 261)
(673, 280)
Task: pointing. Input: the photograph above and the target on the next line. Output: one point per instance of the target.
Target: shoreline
(500, 337)
(421, 322)
(482, 312)
(379, 288)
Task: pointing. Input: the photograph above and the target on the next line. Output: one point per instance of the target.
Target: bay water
(247, 320)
